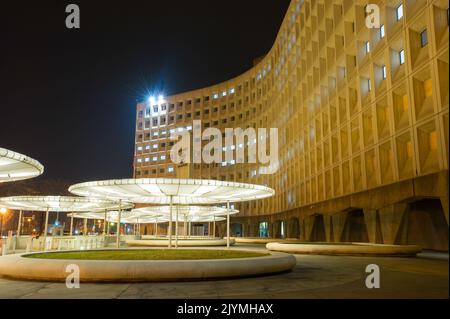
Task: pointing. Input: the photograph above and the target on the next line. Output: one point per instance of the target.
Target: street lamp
(3, 212)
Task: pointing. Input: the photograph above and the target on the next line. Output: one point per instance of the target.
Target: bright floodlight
(175, 191)
(61, 204)
(152, 99)
(15, 166)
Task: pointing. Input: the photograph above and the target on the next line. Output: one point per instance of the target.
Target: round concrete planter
(257, 240)
(181, 242)
(20, 267)
(350, 249)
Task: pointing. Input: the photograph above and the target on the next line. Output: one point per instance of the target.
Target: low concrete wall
(346, 249)
(20, 267)
(181, 242)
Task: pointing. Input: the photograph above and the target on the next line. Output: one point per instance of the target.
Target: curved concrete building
(362, 114)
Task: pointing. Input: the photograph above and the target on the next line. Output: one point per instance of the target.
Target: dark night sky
(68, 97)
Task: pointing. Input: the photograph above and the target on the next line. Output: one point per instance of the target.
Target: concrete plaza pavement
(313, 277)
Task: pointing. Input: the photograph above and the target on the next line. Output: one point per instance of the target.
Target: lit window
(155, 134)
(253, 174)
(155, 159)
(384, 72)
(402, 56)
(423, 38)
(172, 131)
(382, 31)
(180, 129)
(163, 157)
(224, 93)
(163, 132)
(155, 146)
(399, 11)
(189, 128)
(224, 164)
(139, 160)
(147, 159)
(216, 96)
(170, 169)
(140, 148)
(147, 147)
(367, 47)
(232, 91)
(233, 162)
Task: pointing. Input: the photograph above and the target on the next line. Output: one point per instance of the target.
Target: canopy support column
(176, 229)
(104, 223)
(228, 224)
(170, 221)
(156, 227)
(85, 227)
(118, 224)
(185, 226)
(214, 226)
(19, 225)
(46, 223)
(71, 225)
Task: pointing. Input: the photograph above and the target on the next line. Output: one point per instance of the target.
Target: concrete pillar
(328, 223)
(308, 223)
(214, 227)
(185, 226)
(391, 218)
(370, 216)
(444, 203)
(338, 221)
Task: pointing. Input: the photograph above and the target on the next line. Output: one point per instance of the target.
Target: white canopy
(61, 204)
(180, 191)
(15, 166)
(190, 211)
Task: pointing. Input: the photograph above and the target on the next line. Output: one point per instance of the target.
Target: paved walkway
(313, 277)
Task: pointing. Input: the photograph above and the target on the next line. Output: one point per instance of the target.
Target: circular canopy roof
(130, 218)
(15, 166)
(182, 191)
(190, 211)
(60, 204)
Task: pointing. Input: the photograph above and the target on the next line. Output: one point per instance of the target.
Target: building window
(367, 47)
(170, 169)
(402, 56)
(139, 148)
(382, 31)
(163, 157)
(399, 12)
(384, 72)
(155, 159)
(423, 38)
(139, 160)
